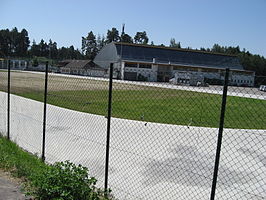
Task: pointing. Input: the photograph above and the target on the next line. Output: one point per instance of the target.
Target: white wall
(243, 79)
(80, 137)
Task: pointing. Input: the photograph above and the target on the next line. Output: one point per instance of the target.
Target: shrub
(64, 180)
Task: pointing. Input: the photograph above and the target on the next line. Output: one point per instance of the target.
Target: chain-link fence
(3, 96)
(163, 139)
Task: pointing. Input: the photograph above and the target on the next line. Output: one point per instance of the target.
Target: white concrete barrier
(147, 161)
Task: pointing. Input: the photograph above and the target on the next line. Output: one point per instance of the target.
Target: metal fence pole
(108, 128)
(8, 100)
(44, 111)
(220, 135)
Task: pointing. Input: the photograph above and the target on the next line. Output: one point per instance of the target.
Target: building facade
(160, 64)
(15, 64)
(82, 67)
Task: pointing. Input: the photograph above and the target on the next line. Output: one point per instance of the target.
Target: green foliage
(35, 62)
(64, 180)
(173, 43)
(101, 41)
(14, 43)
(112, 35)
(50, 51)
(141, 38)
(89, 46)
(17, 161)
(126, 38)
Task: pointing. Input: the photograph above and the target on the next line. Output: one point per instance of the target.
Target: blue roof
(163, 55)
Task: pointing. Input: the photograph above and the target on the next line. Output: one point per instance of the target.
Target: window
(131, 65)
(147, 66)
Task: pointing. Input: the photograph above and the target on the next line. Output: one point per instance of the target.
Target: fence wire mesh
(242, 173)
(26, 116)
(163, 136)
(3, 94)
(76, 122)
(156, 146)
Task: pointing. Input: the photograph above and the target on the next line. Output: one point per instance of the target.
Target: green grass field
(163, 106)
(136, 102)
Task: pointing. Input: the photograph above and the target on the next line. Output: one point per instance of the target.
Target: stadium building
(160, 64)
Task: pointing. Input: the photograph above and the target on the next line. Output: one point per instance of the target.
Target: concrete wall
(235, 78)
(161, 158)
(243, 79)
(150, 74)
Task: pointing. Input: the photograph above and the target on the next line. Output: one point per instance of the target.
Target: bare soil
(10, 187)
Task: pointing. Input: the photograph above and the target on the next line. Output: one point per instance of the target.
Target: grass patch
(62, 180)
(18, 162)
(135, 102)
(162, 106)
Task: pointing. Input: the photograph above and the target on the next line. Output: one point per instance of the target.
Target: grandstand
(156, 63)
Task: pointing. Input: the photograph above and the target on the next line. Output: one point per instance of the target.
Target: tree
(14, 38)
(35, 49)
(173, 44)
(83, 45)
(112, 35)
(44, 48)
(5, 42)
(100, 42)
(217, 48)
(141, 38)
(63, 53)
(53, 51)
(232, 50)
(23, 43)
(89, 45)
(35, 62)
(72, 53)
(126, 38)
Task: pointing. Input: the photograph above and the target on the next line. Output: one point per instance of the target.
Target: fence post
(108, 128)
(44, 111)
(8, 99)
(220, 135)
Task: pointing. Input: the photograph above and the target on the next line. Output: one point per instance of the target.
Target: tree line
(249, 61)
(91, 44)
(17, 44)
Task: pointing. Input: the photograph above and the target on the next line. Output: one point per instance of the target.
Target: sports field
(137, 102)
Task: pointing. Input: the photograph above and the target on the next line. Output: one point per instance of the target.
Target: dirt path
(10, 188)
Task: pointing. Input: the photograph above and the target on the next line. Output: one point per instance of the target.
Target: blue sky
(195, 23)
